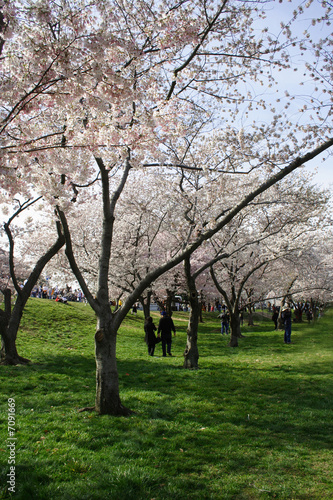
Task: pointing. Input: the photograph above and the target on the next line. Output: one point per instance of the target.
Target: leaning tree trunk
(9, 335)
(3, 327)
(191, 353)
(4, 319)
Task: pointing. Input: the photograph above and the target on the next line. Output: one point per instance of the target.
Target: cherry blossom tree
(284, 223)
(306, 280)
(9, 327)
(107, 89)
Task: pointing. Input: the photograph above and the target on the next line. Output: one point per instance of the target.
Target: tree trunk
(250, 317)
(235, 329)
(298, 311)
(4, 319)
(107, 383)
(146, 309)
(200, 318)
(314, 305)
(9, 355)
(3, 327)
(145, 302)
(168, 307)
(191, 353)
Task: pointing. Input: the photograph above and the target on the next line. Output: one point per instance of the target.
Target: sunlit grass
(254, 422)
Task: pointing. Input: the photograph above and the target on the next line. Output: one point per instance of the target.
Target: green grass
(254, 422)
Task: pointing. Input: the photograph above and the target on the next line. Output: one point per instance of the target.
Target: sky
(324, 172)
(323, 169)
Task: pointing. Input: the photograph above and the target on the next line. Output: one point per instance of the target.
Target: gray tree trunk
(145, 302)
(107, 384)
(235, 328)
(10, 355)
(191, 353)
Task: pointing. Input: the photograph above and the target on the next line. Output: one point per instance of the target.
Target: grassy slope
(251, 423)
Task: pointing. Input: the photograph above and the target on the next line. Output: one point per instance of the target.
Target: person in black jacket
(286, 316)
(150, 337)
(165, 327)
(275, 317)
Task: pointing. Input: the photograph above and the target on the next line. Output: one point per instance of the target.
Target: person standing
(150, 337)
(134, 309)
(165, 327)
(275, 317)
(224, 316)
(286, 317)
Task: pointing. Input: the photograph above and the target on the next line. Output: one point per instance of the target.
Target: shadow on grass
(215, 412)
(285, 400)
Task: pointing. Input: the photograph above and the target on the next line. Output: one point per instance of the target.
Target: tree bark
(235, 328)
(145, 302)
(168, 304)
(191, 353)
(298, 311)
(4, 319)
(250, 317)
(9, 335)
(107, 384)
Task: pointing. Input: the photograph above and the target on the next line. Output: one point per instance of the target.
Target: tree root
(121, 411)
(18, 360)
(87, 408)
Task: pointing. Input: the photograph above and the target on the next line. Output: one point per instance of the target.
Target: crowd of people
(64, 295)
(163, 333)
(166, 325)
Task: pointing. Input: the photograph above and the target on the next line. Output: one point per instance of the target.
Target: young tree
(9, 328)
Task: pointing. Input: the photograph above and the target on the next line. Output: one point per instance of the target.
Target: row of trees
(142, 118)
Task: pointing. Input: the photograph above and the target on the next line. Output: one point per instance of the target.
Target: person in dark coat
(150, 337)
(165, 327)
(225, 319)
(275, 317)
(286, 316)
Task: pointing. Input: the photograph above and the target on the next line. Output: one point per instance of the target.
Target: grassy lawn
(253, 422)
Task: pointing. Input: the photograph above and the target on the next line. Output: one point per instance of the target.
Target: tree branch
(196, 49)
(71, 259)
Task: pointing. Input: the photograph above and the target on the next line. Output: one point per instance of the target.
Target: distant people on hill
(52, 293)
(309, 315)
(61, 299)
